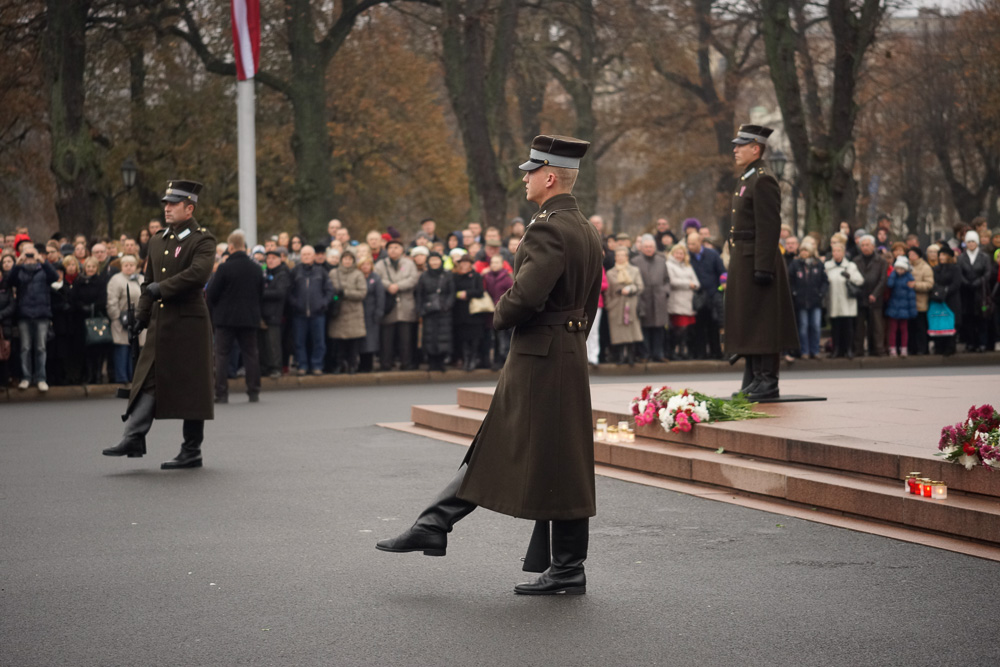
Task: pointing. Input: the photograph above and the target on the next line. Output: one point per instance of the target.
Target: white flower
(701, 409)
(968, 461)
(948, 451)
(993, 463)
(642, 406)
(666, 418)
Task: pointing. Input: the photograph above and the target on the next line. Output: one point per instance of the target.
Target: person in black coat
(234, 298)
(435, 296)
(7, 308)
(974, 266)
(90, 299)
(277, 280)
(468, 326)
(948, 283)
(809, 283)
(709, 268)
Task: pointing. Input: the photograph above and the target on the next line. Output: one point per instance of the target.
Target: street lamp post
(777, 163)
(129, 173)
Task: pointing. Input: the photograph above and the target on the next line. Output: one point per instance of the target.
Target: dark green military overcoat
(533, 457)
(760, 319)
(178, 348)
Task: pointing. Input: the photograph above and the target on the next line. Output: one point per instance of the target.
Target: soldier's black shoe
(553, 582)
(254, 398)
(133, 450)
(432, 543)
(188, 458)
(763, 392)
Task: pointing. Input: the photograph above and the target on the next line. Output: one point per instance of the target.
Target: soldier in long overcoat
(533, 456)
(173, 378)
(760, 317)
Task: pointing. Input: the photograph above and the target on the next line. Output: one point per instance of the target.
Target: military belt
(743, 235)
(574, 320)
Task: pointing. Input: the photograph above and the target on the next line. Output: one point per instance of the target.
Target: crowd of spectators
(346, 305)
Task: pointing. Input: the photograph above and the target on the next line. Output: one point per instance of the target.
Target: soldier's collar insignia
(183, 234)
(748, 174)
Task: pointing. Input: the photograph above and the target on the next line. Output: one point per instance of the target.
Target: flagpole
(247, 159)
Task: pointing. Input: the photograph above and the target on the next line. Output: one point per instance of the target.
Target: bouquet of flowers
(975, 441)
(679, 411)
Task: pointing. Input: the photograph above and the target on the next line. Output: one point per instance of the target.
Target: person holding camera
(32, 276)
(173, 378)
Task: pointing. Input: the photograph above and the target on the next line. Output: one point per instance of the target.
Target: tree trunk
(464, 47)
(74, 155)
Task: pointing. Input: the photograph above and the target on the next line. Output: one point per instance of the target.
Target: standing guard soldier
(173, 379)
(533, 457)
(760, 317)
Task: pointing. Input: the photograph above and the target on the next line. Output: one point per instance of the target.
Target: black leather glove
(763, 277)
(153, 289)
(137, 327)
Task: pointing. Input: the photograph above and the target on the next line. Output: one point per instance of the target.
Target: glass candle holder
(910, 482)
(622, 426)
(939, 490)
(629, 435)
(601, 430)
(612, 434)
(927, 487)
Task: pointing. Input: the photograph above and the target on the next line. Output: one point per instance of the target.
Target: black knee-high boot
(429, 533)
(565, 575)
(140, 420)
(749, 374)
(766, 372)
(190, 456)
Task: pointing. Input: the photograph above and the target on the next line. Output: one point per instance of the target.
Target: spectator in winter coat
(348, 327)
(32, 278)
(435, 297)
(652, 307)
(708, 266)
(683, 286)
(399, 276)
(923, 277)
(468, 326)
(870, 323)
(497, 280)
(374, 308)
(625, 287)
(277, 282)
(7, 308)
(901, 307)
(123, 288)
(843, 309)
(309, 296)
(977, 282)
(948, 277)
(809, 283)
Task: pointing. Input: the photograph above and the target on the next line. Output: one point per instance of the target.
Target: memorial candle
(911, 482)
(939, 490)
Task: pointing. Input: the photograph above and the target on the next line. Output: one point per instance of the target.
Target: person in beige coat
(348, 327)
(620, 303)
(399, 275)
(923, 283)
(683, 285)
(128, 279)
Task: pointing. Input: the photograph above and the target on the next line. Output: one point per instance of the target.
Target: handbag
(4, 347)
(97, 330)
(700, 300)
(940, 320)
(939, 293)
(853, 291)
(482, 304)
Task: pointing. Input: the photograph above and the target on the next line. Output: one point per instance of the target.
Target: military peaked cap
(555, 151)
(751, 133)
(178, 190)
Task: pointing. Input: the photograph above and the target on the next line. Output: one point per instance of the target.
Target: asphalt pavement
(266, 557)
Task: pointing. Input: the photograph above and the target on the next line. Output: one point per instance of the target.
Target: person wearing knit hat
(901, 306)
(975, 268)
(690, 223)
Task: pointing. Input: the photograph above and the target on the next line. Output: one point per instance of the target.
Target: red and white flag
(246, 36)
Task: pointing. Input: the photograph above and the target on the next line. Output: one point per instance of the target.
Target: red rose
(969, 449)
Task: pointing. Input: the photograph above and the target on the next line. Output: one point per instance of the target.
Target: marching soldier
(760, 317)
(533, 457)
(173, 378)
